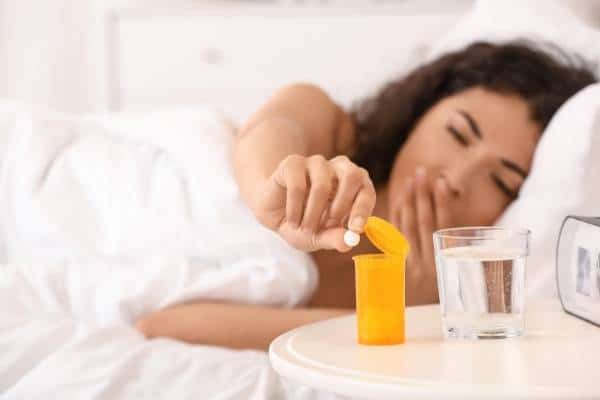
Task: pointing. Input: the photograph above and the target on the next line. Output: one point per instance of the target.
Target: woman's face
(481, 143)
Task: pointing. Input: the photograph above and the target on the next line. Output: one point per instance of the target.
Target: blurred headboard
(233, 54)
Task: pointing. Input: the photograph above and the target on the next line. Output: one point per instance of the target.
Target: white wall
(47, 54)
(53, 52)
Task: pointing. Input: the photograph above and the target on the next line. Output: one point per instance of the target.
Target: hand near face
(419, 208)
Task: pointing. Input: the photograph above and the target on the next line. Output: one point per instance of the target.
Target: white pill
(351, 238)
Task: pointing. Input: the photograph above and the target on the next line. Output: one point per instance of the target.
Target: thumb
(331, 239)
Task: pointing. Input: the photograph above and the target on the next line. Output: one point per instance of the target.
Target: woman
(448, 145)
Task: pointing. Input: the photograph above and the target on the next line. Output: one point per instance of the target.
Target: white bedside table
(558, 358)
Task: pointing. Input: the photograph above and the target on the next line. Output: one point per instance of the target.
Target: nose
(460, 173)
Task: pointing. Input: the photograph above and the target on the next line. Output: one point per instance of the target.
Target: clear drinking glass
(481, 281)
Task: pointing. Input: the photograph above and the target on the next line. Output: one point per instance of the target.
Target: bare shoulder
(329, 126)
(346, 133)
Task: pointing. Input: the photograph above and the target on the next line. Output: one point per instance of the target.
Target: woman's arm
(299, 119)
(235, 326)
(286, 167)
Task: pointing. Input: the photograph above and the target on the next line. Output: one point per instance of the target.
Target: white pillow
(564, 180)
(540, 20)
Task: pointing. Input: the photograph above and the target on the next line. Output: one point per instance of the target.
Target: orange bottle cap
(386, 237)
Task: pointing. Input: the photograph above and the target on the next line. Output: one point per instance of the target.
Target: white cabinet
(234, 57)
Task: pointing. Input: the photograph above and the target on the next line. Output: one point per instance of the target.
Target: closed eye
(457, 135)
(504, 187)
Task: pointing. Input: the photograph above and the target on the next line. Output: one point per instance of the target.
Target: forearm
(298, 119)
(258, 151)
(229, 325)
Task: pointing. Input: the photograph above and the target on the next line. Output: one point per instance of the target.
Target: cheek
(483, 207)
(420, 149)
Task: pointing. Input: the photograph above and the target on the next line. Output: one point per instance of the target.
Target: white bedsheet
(104, 219)
(65, 331)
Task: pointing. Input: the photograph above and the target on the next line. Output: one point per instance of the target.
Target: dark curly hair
(544, 79)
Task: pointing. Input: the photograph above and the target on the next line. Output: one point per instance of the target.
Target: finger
(321, 177)
(395, 210)
(350, 180)
(425, 216)
(441, 197)
(292, 176)
(326, 239)
(395, 215)
(331, 239)
(362, 207)
(409, 222)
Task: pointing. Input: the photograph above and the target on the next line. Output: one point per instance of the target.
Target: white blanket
(104, 219)
(64, 330)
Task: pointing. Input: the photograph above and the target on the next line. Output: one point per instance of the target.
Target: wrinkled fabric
(106, 218)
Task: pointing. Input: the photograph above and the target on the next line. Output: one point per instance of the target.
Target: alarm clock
(578, 267)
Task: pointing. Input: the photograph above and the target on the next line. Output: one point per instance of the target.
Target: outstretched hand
(311, 201)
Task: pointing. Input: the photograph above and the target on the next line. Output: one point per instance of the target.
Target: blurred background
(101, 55)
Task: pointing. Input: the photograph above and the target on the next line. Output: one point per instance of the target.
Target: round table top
(557, 358)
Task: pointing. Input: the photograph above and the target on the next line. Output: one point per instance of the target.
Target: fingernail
(442, 185)
(357, 224)
(420, 178)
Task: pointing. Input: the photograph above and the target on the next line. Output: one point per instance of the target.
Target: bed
(69, 297)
